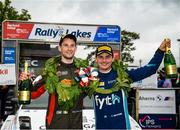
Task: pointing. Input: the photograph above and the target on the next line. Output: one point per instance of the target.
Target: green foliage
(67, 93)
(123, 81)
(127, 47)
(10, 13)
(81, 63)
(50, 73)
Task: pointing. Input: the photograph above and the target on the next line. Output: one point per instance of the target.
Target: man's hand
(24, 76)
(165, 43)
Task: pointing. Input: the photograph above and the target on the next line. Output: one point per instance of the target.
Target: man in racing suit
(111, 110)
(56, 118)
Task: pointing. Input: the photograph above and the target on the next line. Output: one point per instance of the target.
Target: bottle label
(24, 95)
(171, 69)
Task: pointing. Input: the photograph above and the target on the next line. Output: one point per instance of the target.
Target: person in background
(3, 95)
(178, 78)
(161, 77)
(164, 82)
(56, 117)
(111, 110)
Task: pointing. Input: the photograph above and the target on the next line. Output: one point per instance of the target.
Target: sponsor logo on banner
(158, 98)
(157, 101)
(108, 34)
(157, 121)
(7, 74)
(15, 30)
(53, 32)
(147, 122)
(9, 55)
(59, 32)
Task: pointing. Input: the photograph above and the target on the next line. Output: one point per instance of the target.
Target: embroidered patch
(111, 81)
(62, 73)
(101, 84)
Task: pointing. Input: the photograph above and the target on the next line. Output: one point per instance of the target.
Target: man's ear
(96, 60)
(76, 48)
(113, 59)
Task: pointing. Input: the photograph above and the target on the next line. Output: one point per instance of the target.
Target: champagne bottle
(25, 88)
(170, 64)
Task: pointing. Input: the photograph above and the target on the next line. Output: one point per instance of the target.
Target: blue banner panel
(157, 121)
(9, 55)
(108, 34)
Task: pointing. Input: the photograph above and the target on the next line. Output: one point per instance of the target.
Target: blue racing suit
(111, 111)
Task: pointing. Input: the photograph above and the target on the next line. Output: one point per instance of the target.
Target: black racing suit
(56, 118)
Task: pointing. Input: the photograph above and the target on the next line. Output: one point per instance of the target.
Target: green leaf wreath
(122, 81)
(68, 92)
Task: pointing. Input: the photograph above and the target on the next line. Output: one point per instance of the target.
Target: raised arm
(152, 66)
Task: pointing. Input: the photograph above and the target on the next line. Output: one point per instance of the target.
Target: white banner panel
(160, 101)
(7, 74)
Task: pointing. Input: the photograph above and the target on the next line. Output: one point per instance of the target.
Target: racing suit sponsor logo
(62, 73)
(101, 83)
(109, 100)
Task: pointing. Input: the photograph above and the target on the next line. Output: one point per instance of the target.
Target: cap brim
(107, 52)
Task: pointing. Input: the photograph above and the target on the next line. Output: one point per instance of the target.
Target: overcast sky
(152, 19)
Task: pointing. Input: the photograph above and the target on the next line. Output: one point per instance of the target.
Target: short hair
(70, 36)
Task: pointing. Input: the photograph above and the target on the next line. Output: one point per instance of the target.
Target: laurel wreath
(69, 91)
(122, 81)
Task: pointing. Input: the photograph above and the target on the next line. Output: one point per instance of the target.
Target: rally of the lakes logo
(108, 100)
(56, 32)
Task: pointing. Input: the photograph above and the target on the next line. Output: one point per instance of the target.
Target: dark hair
(70, 36)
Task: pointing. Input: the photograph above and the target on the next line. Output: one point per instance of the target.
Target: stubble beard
(68, 57)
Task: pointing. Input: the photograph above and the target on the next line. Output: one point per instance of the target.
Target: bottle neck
(26, 67)
(167, 49)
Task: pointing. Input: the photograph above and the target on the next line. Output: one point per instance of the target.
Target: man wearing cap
(111, 110)
(56, 117)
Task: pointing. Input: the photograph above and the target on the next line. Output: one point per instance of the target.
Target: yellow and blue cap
(104, 49)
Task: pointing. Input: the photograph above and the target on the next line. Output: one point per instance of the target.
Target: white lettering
(109, 100)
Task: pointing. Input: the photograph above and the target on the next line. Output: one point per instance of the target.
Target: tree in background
(127, 47)
(7, 12)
